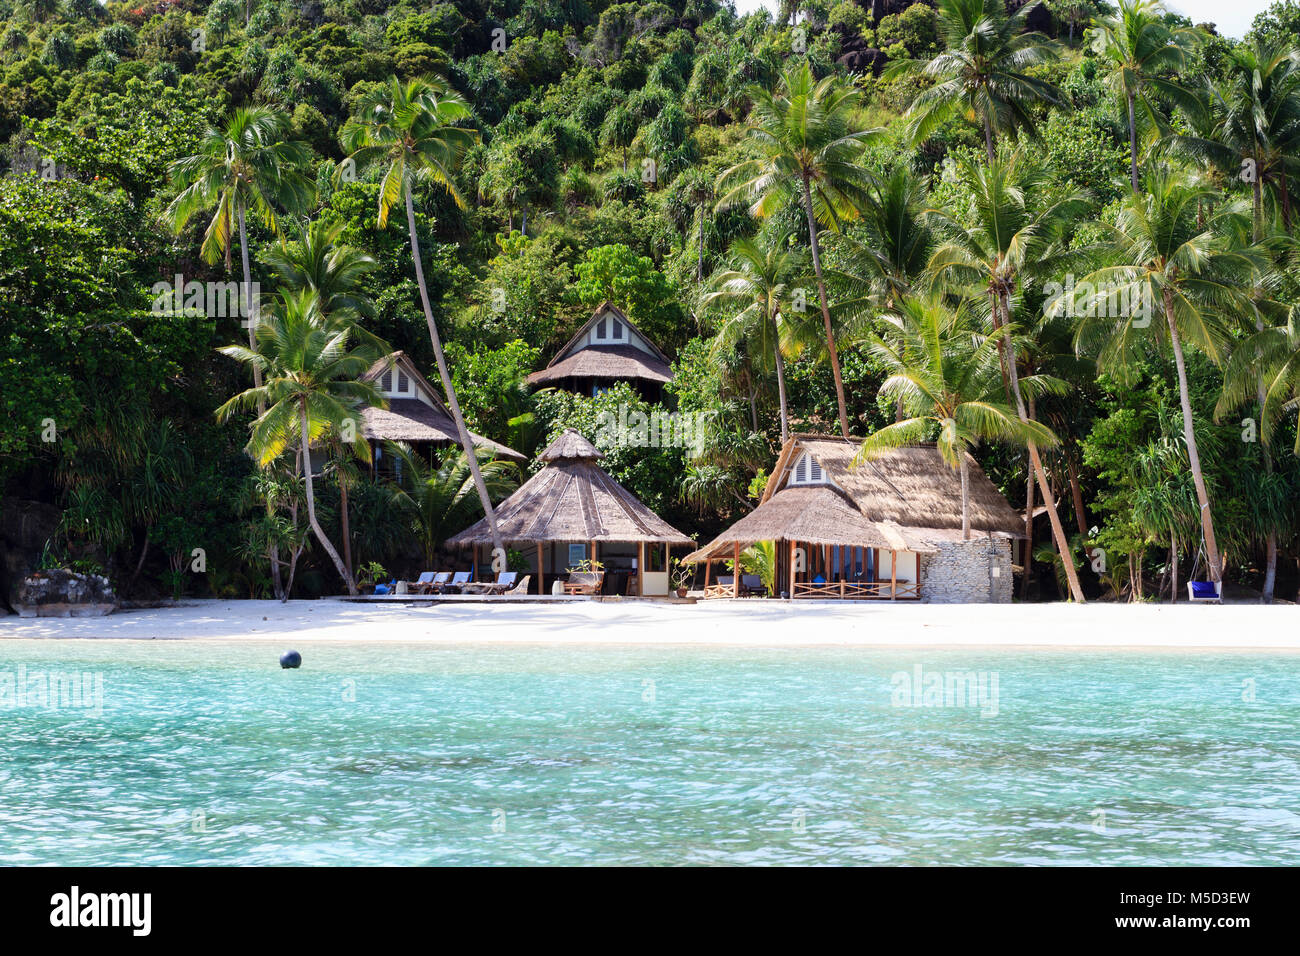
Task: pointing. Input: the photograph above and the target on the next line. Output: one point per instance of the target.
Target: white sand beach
(753, 622)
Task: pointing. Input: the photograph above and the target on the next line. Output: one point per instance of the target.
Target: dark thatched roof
(572, 499)
(412, 420)
(606, 361)
(906, 500)
(819, 515)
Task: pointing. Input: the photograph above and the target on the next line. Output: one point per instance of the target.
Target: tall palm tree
(1140, 54)
(313, 387)
(1019, 232)
(946, 371)
(407, 129)
(758, 283)
(443, 500)
(809, 135)
(247, 166)
(981, 75)
(1255, 114)
(1168, 279)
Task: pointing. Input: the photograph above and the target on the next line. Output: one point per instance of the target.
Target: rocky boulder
(60, 593)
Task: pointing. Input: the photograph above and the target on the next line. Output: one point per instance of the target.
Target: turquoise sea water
(380, 754)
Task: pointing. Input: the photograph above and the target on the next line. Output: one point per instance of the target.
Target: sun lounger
(505, 580)
(419, 584)
(584, 582)
(433, 584)
(454, 586)
(751, 585)
(521, 587)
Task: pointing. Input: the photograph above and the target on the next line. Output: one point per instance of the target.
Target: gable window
(601, 328)
(401, 383)
(386, 381)
(808, 471)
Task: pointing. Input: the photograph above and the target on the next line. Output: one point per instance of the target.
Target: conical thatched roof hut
(573, 500)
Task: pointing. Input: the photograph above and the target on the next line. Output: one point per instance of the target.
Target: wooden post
(735, 572)
(541, 571)
(893, 575)
(792, 551)
(708, 566)
(640, 569)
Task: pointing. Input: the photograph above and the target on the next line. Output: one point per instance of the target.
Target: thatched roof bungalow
(607, 349)
(572, 511)
(416, 413)
(887, 528)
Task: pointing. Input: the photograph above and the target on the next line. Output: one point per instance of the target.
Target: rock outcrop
(62, 593)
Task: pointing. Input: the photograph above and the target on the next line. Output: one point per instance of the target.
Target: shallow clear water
(383, 754)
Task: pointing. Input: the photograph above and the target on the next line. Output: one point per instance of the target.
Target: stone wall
(965, 572)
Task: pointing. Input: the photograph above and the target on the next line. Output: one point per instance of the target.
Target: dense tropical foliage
(1056, 236)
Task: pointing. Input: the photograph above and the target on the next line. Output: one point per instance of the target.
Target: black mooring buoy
(290, 659)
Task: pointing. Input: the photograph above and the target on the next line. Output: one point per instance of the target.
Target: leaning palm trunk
(965, 498)
(1132, 143)
(251, 309)
(311, 505)
(826, 312)
(1058, 532)
(498, 547)
(780, 384)
(1193, 453)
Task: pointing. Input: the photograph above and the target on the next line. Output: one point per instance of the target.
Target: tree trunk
(780, 385)
(462, 432)
(699, 268)
(1058, 532)
(965, 496)
(1284, 190)
(1029, 529)
(250, 306)
(826, 311)
(1076, 494)
(989, 149)
(1173, 568)
(343, 519)
(1132, 143)
(1193, 453)
(311, 505)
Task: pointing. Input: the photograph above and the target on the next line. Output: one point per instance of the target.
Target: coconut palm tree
(1167, 279)
(1256, 123)
(809, 135)
(313, 388)
(443, 499)
(946, 372)
(406, 128)
(981, 74)
(247, 166)
(333, 270)
(1019, 233)
(1140, 54)
(758, 283)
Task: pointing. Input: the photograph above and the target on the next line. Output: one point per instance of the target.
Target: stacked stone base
(60, 593)
(977, 571)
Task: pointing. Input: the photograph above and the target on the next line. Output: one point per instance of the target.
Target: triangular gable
(397, 378)
(608, 311)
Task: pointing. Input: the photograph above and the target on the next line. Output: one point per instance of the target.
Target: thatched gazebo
(572, 511)
(888, 528)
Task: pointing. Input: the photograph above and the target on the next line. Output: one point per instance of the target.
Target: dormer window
(808, 471)
(610, 330)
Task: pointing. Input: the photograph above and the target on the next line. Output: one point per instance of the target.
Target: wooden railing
(858, 590)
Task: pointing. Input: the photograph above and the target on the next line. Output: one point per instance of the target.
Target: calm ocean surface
(381, 754)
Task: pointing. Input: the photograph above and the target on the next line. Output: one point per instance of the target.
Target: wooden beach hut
(573, 511)
(607, 349)
(887, 529)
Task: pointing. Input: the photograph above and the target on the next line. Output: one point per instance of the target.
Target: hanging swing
(1204, 592)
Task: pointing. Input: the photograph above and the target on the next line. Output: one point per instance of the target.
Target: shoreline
(716, 624)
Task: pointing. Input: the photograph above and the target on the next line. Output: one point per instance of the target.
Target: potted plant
(682, 576)
(368, 575)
